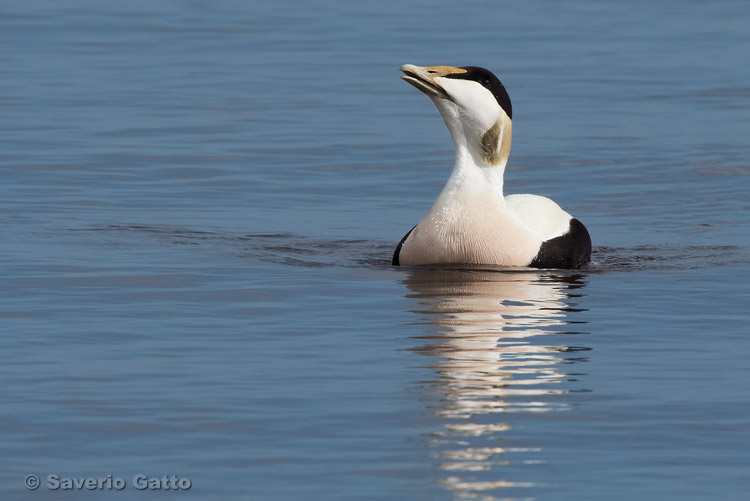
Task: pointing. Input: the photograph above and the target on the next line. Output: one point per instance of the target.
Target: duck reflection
(495, 338)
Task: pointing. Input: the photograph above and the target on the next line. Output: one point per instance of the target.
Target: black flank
(395, 261)
(571, 250)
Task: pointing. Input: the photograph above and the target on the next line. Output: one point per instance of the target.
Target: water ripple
(299, 250)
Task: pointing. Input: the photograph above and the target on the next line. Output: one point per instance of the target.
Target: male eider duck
(472, 222)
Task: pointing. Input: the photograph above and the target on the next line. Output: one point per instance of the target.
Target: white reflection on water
(486, 328)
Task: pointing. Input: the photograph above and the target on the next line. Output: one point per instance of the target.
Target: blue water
(199, 205)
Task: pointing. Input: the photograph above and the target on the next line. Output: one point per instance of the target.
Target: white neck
(481, 150)
(468, 175)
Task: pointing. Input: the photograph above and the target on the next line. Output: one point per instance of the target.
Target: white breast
(470, 227)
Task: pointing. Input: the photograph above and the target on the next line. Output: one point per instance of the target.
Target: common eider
(472, 222)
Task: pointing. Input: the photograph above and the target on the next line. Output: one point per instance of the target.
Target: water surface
(200, 202)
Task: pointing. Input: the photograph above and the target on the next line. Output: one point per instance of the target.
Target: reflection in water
(487, 328)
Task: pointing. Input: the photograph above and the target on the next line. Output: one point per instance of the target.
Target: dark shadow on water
(297, 250)
(664, 257)
(278, 248)
(500, 344)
